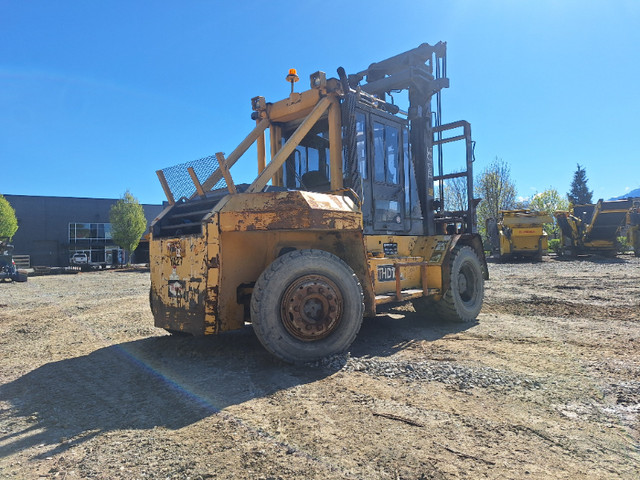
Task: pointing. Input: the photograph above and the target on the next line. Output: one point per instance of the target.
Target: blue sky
(96, 96)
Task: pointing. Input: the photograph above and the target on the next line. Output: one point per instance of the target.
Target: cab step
(408, 294)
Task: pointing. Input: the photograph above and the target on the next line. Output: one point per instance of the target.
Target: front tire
(463, 299)
(306, 305)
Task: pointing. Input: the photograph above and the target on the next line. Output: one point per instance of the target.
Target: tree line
(498, 192)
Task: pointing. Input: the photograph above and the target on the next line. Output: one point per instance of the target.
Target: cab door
(387, 179)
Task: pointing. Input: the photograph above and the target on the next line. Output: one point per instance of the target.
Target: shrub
(623, 245)
(554, 245)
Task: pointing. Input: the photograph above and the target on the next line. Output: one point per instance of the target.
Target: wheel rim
(467, 283)
(311, 308)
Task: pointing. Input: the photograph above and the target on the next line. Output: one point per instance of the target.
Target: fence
(22, 261)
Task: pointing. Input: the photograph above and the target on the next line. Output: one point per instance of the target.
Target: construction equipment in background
(633, 226)
(518, 234)
(8, 270)
(592, 228)
(318, 240)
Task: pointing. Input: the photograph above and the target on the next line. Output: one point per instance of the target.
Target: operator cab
(388, 187)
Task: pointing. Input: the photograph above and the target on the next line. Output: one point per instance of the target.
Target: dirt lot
(545, 385)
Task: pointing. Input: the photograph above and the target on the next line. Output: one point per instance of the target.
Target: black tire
(538, 256)
(20, 277)
(462, 301)
(308, 304)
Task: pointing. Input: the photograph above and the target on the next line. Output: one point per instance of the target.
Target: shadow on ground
(593, 258)
(170, 382)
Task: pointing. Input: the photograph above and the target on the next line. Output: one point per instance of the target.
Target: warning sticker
(176, 288)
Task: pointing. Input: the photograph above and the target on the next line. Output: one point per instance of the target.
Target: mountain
(632, 194)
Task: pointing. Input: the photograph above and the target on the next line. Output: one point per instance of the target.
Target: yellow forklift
(342, 219)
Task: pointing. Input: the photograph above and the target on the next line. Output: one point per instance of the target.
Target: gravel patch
(449, 373)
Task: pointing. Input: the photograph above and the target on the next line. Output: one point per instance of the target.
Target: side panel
(382, 272)
(386, 250)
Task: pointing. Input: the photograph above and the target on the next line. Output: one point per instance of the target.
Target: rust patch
(213, 262)
(177, 318)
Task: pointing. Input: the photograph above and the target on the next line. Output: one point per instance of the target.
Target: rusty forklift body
(342, 219)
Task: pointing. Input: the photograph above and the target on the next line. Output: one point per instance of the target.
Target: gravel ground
(545, 385)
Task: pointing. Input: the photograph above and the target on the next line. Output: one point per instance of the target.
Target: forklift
(347, 217)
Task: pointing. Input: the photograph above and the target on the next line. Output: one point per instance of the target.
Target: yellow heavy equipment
(592, 228)
(518, 234)
(342, 220)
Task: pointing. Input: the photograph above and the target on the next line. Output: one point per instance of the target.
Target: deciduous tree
(128, 223)
(497, 191)
(548, 202)
(455, 194)
(8, 220)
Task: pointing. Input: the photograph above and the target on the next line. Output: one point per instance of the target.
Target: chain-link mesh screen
(180, 182)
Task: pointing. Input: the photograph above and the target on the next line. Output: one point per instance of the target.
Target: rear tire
(306, 305)
(462, 301)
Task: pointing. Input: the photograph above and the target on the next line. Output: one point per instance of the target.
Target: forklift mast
(422, 72)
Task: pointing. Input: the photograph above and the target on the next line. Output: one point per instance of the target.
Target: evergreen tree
(580, 193)
(8, 220)
(128, 223)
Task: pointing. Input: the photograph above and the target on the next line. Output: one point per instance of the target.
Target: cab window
(307, 168)
(386, 148)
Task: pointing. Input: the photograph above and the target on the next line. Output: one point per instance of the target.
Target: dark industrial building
(52, 229)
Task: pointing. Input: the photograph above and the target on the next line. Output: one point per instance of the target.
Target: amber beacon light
(292, 77)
